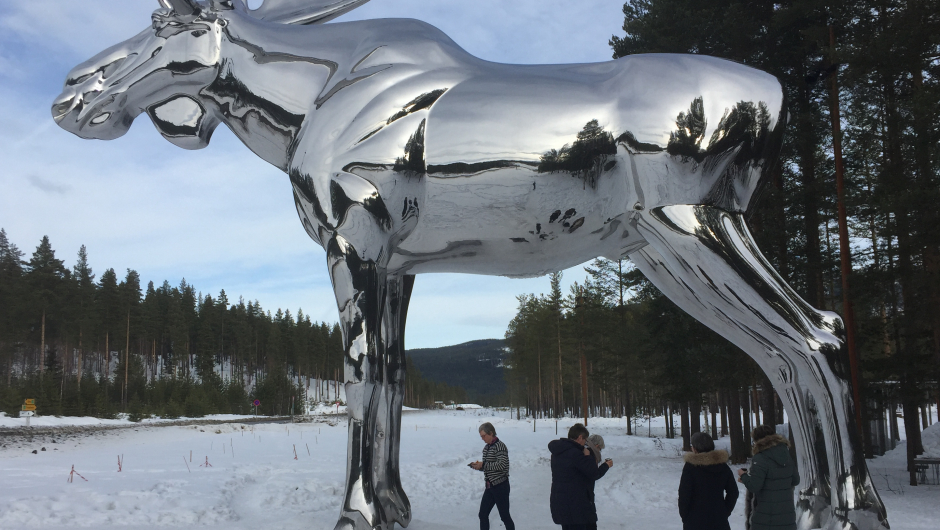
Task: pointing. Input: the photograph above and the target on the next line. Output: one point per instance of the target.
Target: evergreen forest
(862, 85)
(83, 345)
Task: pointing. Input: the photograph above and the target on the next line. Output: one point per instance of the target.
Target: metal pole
(845, 257)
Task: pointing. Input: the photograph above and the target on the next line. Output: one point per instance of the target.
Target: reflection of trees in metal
(743, 136)
(413, 160)
(586, 158)
(745, 126)
(687, 139)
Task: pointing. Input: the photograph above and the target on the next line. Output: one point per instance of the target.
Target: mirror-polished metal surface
(407, 155)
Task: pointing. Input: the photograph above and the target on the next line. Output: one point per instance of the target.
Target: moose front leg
(706, 261)
(370, 308)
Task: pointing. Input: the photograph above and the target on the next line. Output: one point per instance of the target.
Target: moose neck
(266, 84)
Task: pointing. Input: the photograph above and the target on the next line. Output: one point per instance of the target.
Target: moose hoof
(397, 507)
(811, 511)
(859, 519)
(355, 521)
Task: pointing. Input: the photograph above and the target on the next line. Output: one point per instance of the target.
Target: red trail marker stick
(73, 472)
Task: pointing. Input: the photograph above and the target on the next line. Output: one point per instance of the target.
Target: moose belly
(514, 221)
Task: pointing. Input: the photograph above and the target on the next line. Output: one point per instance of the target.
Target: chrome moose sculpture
(407, 155)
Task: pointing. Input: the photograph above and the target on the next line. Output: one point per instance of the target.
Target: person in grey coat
(770, 482)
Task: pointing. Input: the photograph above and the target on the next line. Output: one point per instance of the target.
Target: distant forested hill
(476, 366)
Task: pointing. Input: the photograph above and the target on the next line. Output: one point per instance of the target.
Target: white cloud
(48, 186)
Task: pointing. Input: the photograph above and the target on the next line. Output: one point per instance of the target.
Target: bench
(928, 470)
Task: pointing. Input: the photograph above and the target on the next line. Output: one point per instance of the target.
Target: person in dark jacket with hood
(573, 474)
(707, 491)
(770, 481)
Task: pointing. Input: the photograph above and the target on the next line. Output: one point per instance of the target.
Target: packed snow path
(255, 482)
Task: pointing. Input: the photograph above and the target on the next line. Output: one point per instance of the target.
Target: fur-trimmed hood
(767, 442)
(711, 458)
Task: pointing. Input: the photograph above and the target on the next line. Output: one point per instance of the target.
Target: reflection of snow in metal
(407, 155)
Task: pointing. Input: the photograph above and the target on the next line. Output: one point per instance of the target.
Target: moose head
(162, 70)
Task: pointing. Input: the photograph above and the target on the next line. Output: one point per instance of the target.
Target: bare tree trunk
(127, 353)
(723, 405)
(684, 426)
(739, 446)
(746, 412)
(695, 416)
(629, 414)
(713, 407)
(768, 401)
(893, 421)
(81, 360)
(42, 346)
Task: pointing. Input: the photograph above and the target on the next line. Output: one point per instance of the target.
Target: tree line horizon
(86, 347)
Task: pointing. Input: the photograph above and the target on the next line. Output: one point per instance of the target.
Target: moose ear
(304, 11)
(183, 122)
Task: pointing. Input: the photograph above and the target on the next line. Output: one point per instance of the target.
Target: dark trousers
(578, 526)
(497, 496)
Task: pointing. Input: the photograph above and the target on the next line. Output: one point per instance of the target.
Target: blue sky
(220, 217)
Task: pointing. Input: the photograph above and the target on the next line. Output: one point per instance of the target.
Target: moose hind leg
(391, 493)
(814, 495)
(712, 268)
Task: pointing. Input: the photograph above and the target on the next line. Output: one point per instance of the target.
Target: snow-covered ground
(255, 482)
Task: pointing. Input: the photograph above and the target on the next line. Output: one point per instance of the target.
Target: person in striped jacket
(495, 468)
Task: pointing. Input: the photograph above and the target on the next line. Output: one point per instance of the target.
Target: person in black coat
(707, 489)
(573, 474)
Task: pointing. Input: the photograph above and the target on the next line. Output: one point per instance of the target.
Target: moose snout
(63, 105)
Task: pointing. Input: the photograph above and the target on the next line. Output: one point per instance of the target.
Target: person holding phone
(495, 468)
(574, 470)
(770, 482)
(595, 444)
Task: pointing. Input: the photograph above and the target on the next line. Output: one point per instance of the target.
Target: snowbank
(931, 439)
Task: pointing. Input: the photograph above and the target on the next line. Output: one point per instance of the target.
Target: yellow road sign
(30, 402)
(29, 407)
